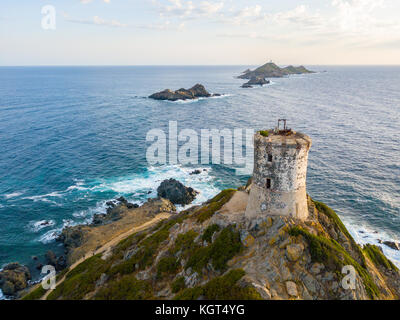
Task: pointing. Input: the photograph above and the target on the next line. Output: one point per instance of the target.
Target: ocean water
(72, 138)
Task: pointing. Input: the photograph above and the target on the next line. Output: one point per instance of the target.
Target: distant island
(197, 91)
(269, 70)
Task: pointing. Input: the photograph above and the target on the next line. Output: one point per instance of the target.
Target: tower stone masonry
(279, 175)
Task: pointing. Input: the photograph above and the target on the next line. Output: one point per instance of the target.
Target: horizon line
(189, 65)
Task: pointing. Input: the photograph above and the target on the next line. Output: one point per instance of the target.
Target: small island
(255, 81)
(269, 70)
(197, 91)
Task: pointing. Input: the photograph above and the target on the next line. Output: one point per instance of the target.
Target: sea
(72, 138)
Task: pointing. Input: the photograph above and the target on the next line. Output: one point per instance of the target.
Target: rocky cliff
(212, 252)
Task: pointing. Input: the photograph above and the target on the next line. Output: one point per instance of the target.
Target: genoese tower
(279, 174)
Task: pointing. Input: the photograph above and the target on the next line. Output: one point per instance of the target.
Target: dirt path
(106, 248)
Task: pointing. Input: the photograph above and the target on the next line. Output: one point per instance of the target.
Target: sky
(197, 32)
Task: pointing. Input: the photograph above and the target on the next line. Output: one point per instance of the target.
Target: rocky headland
(212, 252)
(197, 91)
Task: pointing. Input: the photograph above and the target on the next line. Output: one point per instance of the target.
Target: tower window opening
(270, 158)
(268, 183)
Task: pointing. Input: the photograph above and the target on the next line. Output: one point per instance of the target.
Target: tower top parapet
(289, 138)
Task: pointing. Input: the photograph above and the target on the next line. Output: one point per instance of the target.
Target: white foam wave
(363, 234)
(198, 99)
(139, 185)
(12, 195)
(51, 235)
(2, 297)
(136, 188)
(44, 197)
(79, 186)
(36, 226)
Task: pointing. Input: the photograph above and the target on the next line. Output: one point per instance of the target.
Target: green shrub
(81, 280)
(378, 258)
(178, 284)
(332, 254)
(198, 259)
(213, 205)
(334, 218)
(185, 242)
(126, 288)
(129, 242)
(62, 274)
(208, 233)
(167, 266)
(35, 294)
(330, 213)
(221, 288)
(225, 247)
(145, 255)
(264, 133)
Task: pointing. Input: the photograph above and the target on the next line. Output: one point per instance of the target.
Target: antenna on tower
(285, 129)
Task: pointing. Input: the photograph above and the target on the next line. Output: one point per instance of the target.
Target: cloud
(188, 9)
(299, 16)
(167, 25)
(96, 20)
(88, 1)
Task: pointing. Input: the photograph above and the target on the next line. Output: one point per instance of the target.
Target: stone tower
(279, 176)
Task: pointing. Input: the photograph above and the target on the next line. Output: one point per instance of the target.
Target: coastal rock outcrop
(392, 244)
(71, 237)
(197, 91)
(114, 212)
(14, 278)
(176, 192)
(59, 263)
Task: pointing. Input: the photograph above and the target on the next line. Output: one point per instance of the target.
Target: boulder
(71, 237)
(132, 205)
(257, 81)
(59, 263)
(291, 288)
(197, 91)
(51, 258)
(392, 244)
(195, 172)
(14, 278)
(176, 192)
(294, 251)
(122, 200)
